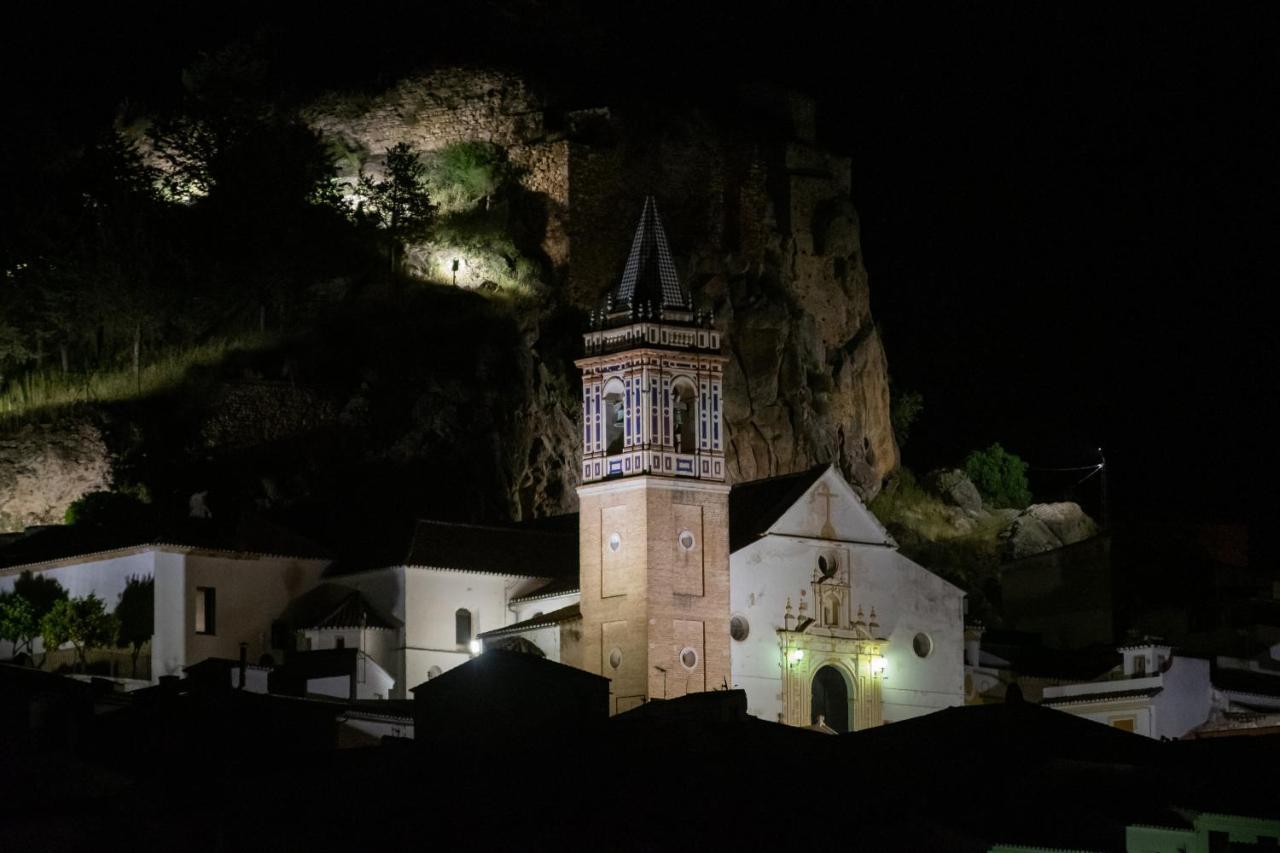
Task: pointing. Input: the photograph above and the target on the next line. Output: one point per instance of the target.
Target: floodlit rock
(764, 234)
(1066, 520)
(955, 488)
(1043, 527)
(45, 467)
(1026, 536)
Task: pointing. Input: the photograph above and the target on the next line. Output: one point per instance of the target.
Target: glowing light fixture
(878, 665)
(795, 655)
(476, 647)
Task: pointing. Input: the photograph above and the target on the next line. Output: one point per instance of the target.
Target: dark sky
(1068, 216)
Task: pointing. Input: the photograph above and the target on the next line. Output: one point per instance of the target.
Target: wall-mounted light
(476, 647)
(795, 655)
(879, 665)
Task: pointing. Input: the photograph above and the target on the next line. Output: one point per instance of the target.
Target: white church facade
(668, 581)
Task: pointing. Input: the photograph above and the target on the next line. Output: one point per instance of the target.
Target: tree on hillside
(463, 174)
(1000, 476)
(82, 622)
(136, 614)
(399, 204)
(904, 408)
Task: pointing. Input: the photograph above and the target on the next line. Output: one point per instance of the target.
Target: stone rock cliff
(760, 220)
(763, 229)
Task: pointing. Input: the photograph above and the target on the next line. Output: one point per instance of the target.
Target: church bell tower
(654, 506)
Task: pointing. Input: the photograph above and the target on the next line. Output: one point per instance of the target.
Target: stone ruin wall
(458, 105)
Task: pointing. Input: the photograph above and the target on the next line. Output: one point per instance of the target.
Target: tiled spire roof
(650, 274)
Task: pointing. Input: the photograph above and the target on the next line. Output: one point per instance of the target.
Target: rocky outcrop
(955, 488)
(45, 466)
(1044, 527)
(760, 221)
(764, 233)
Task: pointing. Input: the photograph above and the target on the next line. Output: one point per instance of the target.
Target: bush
(106, 509)
(1000, 476)
(464, 174)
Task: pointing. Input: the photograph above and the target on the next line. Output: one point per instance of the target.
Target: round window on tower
(615, 542)
(739, 628)
(922, 644)
(688, 659)
(686, 540)
(615, 657)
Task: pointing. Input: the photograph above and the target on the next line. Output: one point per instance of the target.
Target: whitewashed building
(213, 592)
(1161, 694)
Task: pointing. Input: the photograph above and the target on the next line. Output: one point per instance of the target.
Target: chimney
(973, 644)
(244, 663)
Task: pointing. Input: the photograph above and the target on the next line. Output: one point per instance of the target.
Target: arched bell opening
(684, 415)
(615, 416)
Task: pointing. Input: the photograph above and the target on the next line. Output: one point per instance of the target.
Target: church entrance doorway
(830, 699)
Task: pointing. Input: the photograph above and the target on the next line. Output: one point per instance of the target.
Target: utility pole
(1106, 495)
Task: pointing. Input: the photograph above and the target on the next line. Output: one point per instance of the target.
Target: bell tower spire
(654, 507)
(652, 384)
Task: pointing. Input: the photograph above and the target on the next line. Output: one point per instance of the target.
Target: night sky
(1068, 217)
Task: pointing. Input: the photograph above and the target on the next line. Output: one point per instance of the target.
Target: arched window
(615, 416)
(684, 414)
(462, 625)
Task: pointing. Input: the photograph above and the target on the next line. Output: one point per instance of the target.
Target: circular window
(826, 565)
(615, 657)
(615, 542)
(739, 628)
(688, 658)
(433, 672)
(922, 645)
(686, 540)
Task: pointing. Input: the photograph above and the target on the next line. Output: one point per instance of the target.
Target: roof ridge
(509, 527)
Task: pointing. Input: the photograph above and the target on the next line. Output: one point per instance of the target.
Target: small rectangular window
(206, 610)
(340, 642)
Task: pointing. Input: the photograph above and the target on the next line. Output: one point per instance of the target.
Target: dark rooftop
(334, 606)
(555, 617)
(505, 550)
(1101, 695)
(246, 535)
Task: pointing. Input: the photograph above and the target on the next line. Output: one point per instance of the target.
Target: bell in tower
(653, 521)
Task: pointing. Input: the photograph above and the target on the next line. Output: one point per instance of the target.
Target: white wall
(169, 645)
(104, 578)
(427, 601)
(432, 598)
(1184, 703)
(908, 599)
(251, 593)
(381, 649)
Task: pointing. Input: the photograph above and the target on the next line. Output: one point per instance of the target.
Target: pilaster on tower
(652, 375)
